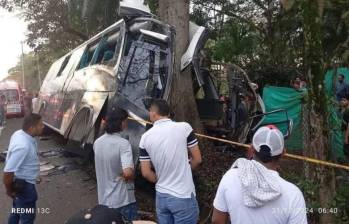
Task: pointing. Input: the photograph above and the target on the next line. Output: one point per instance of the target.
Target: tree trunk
(182, 100)
(317, 144)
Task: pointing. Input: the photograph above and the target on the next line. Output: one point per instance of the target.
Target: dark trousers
(24, 206)
(128, 211)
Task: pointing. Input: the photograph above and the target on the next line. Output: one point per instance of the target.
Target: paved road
(62, 191)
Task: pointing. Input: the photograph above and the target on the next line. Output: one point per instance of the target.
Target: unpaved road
(62, 192)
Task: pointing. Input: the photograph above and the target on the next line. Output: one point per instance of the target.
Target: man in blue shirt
(342, 88)
(21, 170)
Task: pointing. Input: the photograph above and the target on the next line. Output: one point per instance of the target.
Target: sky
(13, 30)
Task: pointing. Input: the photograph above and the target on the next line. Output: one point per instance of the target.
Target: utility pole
(38, 66)
(23, 76)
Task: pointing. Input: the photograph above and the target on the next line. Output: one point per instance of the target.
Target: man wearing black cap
(252, 190)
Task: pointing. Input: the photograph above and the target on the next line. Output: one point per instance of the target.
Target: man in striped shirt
(167, 145)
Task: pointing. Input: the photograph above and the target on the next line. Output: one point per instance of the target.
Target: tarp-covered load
(291, 100)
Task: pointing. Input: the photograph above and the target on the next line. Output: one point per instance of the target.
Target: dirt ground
(62, 191)
(67, 188)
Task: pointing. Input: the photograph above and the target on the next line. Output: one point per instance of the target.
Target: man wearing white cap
(252, 190)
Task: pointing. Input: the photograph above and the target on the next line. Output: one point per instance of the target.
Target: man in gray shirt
(114, 166)
(21, 170)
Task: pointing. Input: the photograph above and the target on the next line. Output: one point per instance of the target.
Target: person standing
(2, 110)
(114, 166)
(345, 124)
(21, 170)
(166, 146)
(342, 88)
(35, 102)
(252, 190)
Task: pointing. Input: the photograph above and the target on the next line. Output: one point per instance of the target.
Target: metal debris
(51, 153)
(45, 138)
(43, 163)
(46, 167)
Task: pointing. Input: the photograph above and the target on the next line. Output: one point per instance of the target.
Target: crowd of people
(250, 192)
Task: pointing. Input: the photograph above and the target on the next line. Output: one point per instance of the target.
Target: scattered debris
(85, 179)
(46, 167)
(69, 154)
(51, 153)
(71, 166)
(45, 138)
(44, 173)
(56, 172)
(43, 163)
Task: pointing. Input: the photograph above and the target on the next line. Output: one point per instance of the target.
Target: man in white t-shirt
(166, 146)
(252, 192)
(35, 102)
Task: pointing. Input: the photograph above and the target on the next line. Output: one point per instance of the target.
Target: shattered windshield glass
(145, 72)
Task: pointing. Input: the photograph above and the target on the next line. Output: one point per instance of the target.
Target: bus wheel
(80, 127)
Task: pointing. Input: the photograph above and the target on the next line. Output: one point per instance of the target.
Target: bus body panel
(81, 84)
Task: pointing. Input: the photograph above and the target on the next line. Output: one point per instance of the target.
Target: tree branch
(244, 20)
(68, 29)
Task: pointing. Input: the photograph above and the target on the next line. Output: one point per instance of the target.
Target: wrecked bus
(127, 64)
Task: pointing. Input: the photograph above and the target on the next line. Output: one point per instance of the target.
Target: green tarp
(291, 100)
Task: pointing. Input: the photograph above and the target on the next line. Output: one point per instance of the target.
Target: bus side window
(105, 50)
(87, 56)
(106, 53)
(64, 64)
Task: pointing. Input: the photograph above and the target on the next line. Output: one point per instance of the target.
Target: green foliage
(153, 5)
(33, 64)
(341, 202)
(272, 48)
(309, 189)
(236, 44)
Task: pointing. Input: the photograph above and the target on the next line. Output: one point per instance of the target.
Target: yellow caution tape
(292, 156)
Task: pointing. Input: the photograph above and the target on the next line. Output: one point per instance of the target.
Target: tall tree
(318, 52)
(176, 13)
